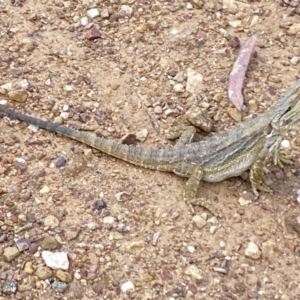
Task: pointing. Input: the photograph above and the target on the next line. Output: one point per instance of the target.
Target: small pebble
(84, 21)
(56, 260)
(23, 84)
(49, 242)
(104, 14)
(93, 13)
(33, 248)
(28, 267)
(65, 107)
(60, 162)
(285, 144)
(99, 205)
(189, 5)
(178, 88)
(252, 251)
(43, 273)
(109, 220)
(194, 81)
(191, 249)
(142, 134)
(213, 229)
(58, 120)
(44, 190)
(23, 244)
(97, 288)
(235, 114)
(169, 112)
(194, 272)
(178, 77)
(234, 42)
(51, 221)
(127, 286)
(158, 110)
(92, 34)
(9, 287)
(10, 253)
(18, 96)
(199, 222)
(64, 115)
(59, 286)
(222, 244)
(294, 60)
(64, 276)
(125, 11)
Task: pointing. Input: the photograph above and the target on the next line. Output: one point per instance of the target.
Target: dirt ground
(120, 67)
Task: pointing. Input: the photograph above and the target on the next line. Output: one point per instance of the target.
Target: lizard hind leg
(190, 192)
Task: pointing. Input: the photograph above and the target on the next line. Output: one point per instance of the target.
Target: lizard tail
(136, 155)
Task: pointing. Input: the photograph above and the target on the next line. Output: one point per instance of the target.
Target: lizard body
(226, 154)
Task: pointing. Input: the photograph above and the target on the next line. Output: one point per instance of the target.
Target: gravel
(131, 69)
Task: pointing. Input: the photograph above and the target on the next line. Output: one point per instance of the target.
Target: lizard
(244, 146)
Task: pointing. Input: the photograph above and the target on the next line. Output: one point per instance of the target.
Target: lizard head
(288, 109)
(292, 114)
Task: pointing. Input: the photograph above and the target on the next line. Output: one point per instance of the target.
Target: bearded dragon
(244, 146)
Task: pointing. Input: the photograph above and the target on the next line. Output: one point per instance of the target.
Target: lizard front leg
(190, 192)
(256, 173)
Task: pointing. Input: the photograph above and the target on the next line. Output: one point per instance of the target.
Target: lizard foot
(201, 202)
(282, 158)
(262, 187)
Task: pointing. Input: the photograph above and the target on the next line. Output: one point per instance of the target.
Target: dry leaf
(237, 74)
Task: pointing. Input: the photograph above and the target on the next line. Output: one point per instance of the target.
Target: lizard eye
(289, 109)
(269, 129)
(291, 116)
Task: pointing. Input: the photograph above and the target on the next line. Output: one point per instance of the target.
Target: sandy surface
(145, 244)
